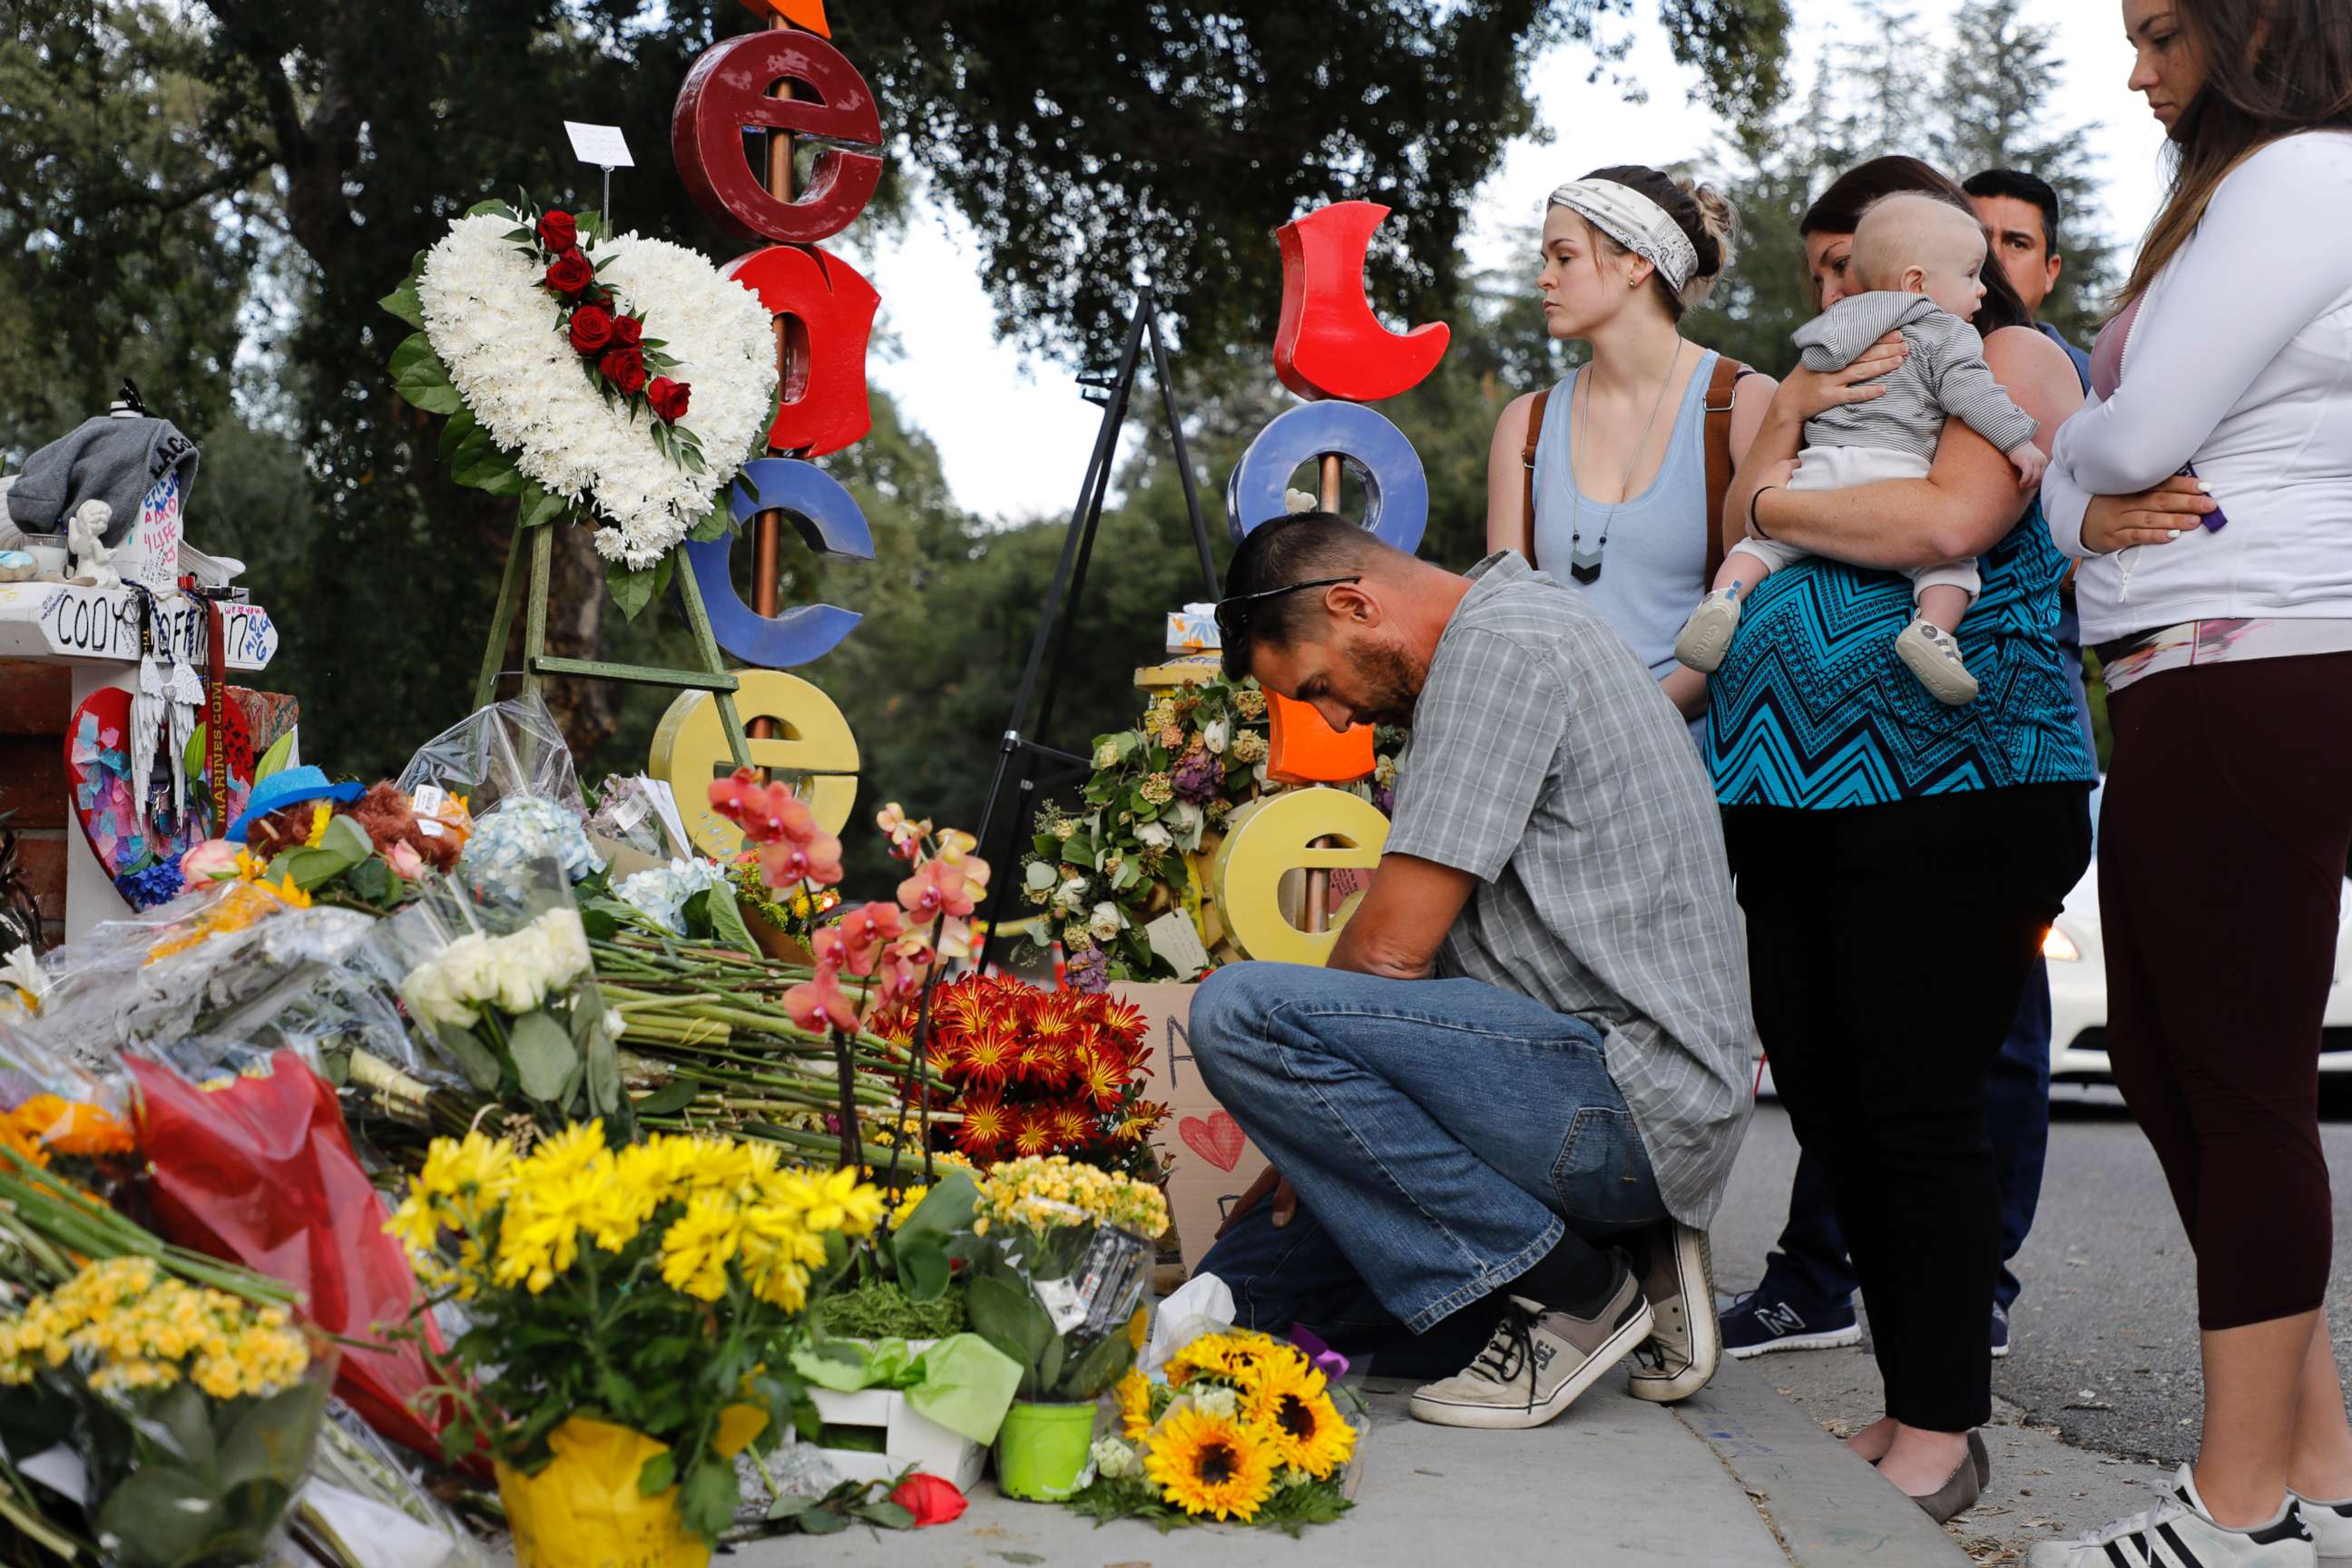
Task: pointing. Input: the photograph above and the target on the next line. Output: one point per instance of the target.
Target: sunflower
(1291, 1407)
(1134, 1405)
(1237, 1357)
(1204, 1464)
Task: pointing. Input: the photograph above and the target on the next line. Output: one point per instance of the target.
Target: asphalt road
(2105, 1338)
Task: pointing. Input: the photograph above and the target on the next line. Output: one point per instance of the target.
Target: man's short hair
(2019, 185)
(1295, 548)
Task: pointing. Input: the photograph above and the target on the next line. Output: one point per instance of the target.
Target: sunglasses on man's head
(1232, 613)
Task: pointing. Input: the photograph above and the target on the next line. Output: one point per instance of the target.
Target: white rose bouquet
(505, 997)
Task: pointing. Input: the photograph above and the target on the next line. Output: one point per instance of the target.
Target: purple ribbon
(1322, 1357)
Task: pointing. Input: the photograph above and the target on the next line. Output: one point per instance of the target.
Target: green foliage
(1290, 1510)
(851, 1502)
(881, 1310)
(1992, 98)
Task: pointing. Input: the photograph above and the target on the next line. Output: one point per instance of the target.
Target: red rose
(625, 368)
(628, 331)
(571, 273)
(668, 398)
(930, 1499)
(558, 231)
(591, 329)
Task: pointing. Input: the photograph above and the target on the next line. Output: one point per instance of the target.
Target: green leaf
(631, 589)
(656, 1475)
(473, 1058)
(544, 1057)
(373, 880)
(461, 428)
(716, 524)
(1009, 1317)
(282, 751)
(886, 1513)
(402, 302)
(670, 1098)
(726, 920)
(706, 1503)
(418, 375)
(923, 1269)
(481, 464)
(790, 1507)
(540, 506)
(823, 1521)
(492, 206)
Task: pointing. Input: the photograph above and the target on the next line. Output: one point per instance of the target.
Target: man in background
(1806, 1298)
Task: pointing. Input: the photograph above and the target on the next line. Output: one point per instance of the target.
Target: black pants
(2220, 871)
(1888, 946)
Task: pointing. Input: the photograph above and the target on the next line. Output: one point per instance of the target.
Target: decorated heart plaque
(134, 850)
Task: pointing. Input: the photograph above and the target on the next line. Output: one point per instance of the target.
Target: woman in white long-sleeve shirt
(2207, 489)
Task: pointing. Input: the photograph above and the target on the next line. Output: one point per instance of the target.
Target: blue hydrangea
(158, 884)
(661, 892)
(497, 858)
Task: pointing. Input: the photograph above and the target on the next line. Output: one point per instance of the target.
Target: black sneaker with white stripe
(2178, 1533)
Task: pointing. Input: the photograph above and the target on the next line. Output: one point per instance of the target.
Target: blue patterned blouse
(1812, 708)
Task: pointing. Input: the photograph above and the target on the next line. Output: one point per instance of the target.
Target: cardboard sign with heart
(1209, 1160)
(98, 778)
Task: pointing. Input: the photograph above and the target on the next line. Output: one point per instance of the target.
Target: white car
(2078, 990)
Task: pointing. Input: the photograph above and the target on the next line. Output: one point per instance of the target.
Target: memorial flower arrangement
(632, 1313)
(1038, 1072)
(1243, 1428)
(617, 375)
(193, 1411)
(1138, 844)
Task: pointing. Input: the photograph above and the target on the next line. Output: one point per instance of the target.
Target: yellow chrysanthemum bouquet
(193, 1411)
(1242, 1427)
(654, 1291)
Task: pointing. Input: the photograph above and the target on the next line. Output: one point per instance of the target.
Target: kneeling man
(1525, 1071)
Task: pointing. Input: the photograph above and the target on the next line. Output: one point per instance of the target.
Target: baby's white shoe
(1933, 655)
(1706, 636)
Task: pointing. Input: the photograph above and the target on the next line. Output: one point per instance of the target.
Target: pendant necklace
(1584, 565)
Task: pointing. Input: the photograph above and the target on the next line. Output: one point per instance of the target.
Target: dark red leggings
(2222, 855)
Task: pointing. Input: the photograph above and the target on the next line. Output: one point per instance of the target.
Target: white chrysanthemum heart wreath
(531, 417)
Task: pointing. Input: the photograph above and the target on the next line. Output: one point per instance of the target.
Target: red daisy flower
(986, 1126)
(1074, 1125)
(1101, 1078)
(1121, 1018)
(1033, 1133)
(986, 1056)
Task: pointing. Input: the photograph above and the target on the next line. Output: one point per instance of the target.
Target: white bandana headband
(1636, 222)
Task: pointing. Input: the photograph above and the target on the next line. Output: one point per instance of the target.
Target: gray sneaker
(1685, 1340)
(1933, 655)
(1705, 637)
(2178, 1533)
(1537, 1362)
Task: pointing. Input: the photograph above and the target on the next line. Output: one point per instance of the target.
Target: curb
(1828, 1509)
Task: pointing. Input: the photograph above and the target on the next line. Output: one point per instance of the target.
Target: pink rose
(212, 861)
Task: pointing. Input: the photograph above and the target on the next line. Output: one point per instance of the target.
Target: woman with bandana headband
(1605, 479)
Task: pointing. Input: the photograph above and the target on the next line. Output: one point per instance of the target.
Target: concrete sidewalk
(1737, 1478)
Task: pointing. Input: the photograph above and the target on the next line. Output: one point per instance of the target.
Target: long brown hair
(2272, 67)
(1839, 210)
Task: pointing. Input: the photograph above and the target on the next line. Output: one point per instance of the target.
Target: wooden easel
(539, 545)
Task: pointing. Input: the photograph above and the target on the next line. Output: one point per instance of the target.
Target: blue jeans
(1443, 1133)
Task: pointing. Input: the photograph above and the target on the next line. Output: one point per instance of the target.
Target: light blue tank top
(1653, 572)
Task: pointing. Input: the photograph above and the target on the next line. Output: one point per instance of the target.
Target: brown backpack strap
(1528, 466)
(1719, 387)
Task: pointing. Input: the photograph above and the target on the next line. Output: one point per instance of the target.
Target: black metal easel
(1017, 759)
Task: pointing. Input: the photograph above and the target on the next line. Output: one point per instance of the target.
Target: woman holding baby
(1903, 774)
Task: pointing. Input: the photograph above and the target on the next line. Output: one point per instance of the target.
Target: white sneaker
(2178, 1533)
(1933, 655)
(1537, 1362)
(1685, 1342)
(2330, 1524)
(1705, 637)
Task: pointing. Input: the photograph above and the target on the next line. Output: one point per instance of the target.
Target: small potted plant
(1058, 1284)
(634, 1313)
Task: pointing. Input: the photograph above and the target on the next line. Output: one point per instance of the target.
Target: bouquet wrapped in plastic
(503, 990)
(191, 1413)
(1064, 1263)
(256, 1167)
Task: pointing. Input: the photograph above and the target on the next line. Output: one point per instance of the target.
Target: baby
(1922, 259)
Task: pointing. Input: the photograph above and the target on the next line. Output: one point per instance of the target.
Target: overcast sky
(1021, 450)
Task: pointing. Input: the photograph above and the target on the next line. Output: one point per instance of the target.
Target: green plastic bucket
(1040, 1449)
